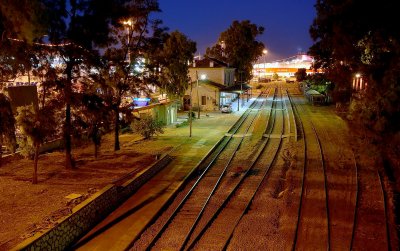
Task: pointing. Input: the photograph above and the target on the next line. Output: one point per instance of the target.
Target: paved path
(123, 225)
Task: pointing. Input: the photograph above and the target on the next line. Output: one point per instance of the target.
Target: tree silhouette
(88, 27)
(177, 51)
(301, 74)
(120, 72)
(7, 125)
(238, 47)
(362, 37)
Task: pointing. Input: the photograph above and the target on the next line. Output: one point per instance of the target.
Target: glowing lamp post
(128, 23)
(265, 51)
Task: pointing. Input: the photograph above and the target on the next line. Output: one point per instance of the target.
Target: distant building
(284, 68)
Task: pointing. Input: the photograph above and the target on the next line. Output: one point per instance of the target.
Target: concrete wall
(89, 213)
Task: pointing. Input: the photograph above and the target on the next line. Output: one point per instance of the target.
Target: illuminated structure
(211, 90)
(284, 68)
(359, 83)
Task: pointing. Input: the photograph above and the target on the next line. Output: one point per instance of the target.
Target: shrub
(184, 123)
(147, 126)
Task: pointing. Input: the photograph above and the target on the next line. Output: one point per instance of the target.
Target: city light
(127, 22)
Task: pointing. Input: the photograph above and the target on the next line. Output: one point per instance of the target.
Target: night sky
(286, 22)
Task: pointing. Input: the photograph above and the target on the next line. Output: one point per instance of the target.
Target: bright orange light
(127, 22)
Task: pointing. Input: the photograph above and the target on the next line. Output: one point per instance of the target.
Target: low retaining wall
(90, 212)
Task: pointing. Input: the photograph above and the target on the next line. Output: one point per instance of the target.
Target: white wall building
(210, 80)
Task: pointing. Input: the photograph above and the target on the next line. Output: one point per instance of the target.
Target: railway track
(226, 190)
(312, 233)
(215, 167)
(387, 240)
(211, 211)
(218, 230)
(327, 234)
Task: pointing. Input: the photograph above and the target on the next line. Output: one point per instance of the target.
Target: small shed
(314, 97)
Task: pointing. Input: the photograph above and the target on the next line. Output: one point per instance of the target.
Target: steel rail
(296, 113)
(234, 129)
(355, 218)
(355, 221)
(265, 175)
(189, 234)
(325, 185)
(389, 246)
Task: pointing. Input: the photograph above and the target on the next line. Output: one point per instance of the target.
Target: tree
(24, 21)
(7, 125)
(301, 74)
(238, 47)
(37, 125)
(177, 51)
(89, 27)
(92, 118)
(121, 73)
(349, 38)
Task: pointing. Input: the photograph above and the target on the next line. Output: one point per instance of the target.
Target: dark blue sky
(286, 22)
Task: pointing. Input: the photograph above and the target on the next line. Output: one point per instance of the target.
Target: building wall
(211, 95)
(220, 75)
(165, 112)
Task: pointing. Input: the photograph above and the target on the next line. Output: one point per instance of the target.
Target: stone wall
(89, 213)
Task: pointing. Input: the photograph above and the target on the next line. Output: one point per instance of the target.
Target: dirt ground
(26, 209)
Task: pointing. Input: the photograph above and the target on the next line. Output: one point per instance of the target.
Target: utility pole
(198, 100)
(190, 110)
(241, 88)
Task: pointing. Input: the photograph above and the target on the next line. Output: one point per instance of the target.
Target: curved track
(327, 237)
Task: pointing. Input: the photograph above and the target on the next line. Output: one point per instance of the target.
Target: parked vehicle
(226, 108)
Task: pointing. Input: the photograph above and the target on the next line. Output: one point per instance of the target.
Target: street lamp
(128, 23)
(222, 43)
(265, 51)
